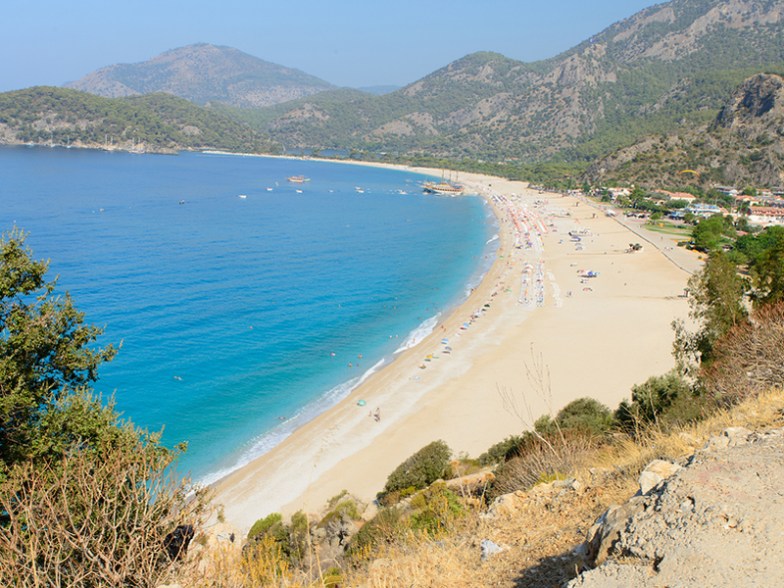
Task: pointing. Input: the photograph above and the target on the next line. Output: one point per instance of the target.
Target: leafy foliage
(659, 400)
(710, 234)
(421, 469)
(44, 354)
(85, 499)
(584, 415)
(716, 305)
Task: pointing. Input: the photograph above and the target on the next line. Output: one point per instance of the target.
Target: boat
(446, 188)
(243, 196)
(298, 179)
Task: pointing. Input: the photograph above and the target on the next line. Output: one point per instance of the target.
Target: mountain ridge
(742, 145)
(204, 73)
(668, 64)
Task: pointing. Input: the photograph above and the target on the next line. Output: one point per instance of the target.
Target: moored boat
(447, 188)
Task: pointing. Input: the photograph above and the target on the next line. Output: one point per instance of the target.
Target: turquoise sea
(245, 304)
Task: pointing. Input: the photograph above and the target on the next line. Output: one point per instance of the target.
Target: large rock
(655, 472)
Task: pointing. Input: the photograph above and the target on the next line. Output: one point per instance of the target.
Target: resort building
(766, 216)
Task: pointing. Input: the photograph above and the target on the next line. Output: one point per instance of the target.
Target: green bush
(270, 525)
(437, 507)
(584, 415)
(660, 399)
(421, 469)
(502, 451)
(342, 506)
(386, 527)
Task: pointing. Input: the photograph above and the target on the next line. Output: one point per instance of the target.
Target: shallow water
(241, 317)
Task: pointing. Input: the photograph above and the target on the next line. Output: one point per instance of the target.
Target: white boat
(243, 196)
(445, 188)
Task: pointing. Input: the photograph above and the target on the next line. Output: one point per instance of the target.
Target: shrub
(437, 507)
(749, 358)
(342, 506)
(108, 517)
(269, 525)
(540, 459)
(502, 451)
(386, 527)
(584, 415)
(421, 469)
(660, 399)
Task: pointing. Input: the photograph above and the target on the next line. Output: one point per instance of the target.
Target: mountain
(671, 64)
(378, 90)
(743, 145)
(204, 73)
(154, 122)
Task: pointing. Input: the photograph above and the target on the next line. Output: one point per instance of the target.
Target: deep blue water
(240, 318)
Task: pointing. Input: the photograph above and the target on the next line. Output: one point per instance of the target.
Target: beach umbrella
(361, 403)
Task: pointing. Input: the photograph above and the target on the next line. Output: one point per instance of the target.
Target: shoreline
(472, 391)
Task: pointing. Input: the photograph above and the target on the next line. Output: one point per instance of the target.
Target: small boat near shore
(298, 179)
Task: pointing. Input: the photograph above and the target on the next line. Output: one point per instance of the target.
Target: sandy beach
(563, 299)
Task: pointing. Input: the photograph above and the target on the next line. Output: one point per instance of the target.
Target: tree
(709, 234)
(44, 348)
(652, 399)
(768, 269)
(716, 305)
(86, 499)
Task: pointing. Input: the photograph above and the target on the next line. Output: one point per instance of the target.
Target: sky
(355, 43)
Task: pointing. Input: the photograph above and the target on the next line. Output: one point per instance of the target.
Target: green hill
(743, 145)
(156, 122)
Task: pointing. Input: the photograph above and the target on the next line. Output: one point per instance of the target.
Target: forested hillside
(155, 122)
(743, 145)
(669, 66)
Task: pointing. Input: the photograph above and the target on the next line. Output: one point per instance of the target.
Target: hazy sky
(345, 42)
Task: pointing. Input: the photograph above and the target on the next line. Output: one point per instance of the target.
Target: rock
(654, 473)
(737, 435)
(730, 437)
(506, 505)
(607, 530)
(472, 485)
(571, 484)
(489, 549)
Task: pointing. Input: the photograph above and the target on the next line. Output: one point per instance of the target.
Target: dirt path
(717, 522)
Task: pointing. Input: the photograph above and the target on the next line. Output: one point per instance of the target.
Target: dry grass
(539, 535)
